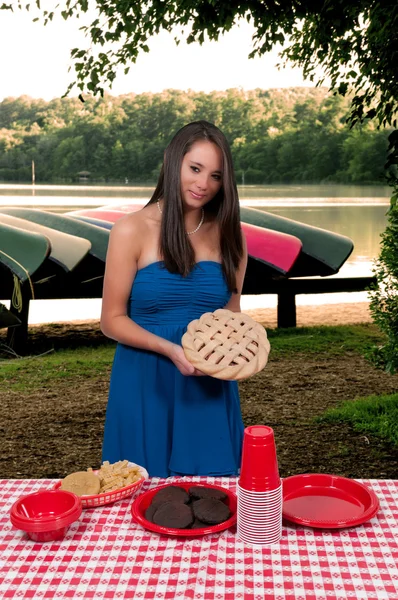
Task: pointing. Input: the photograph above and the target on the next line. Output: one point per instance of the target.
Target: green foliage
(290, 135)
(364, 155)
(377, 415)
(353, 41)
(384, 296)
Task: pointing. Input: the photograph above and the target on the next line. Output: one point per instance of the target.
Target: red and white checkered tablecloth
(106, 555)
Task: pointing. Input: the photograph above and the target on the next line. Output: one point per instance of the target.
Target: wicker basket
(115, 495)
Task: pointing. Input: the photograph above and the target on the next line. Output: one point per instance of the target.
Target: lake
(358, 212)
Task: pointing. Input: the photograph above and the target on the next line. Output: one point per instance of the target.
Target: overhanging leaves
(353, 41)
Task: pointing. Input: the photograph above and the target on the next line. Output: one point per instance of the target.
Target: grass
(377, 415)
(335, 341)
(27, 374)
(374, 414)
(68, 364)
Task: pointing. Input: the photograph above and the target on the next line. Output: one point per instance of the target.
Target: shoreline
(321, 314)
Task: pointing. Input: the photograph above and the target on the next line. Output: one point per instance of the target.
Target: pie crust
(226, 345)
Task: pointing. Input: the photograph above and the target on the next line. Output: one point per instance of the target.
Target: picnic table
(106, 555)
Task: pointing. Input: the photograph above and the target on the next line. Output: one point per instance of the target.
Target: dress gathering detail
(170, 423)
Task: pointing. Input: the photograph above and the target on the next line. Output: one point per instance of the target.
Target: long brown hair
(175, 248)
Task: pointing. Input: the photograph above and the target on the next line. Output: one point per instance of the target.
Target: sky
(35, 61)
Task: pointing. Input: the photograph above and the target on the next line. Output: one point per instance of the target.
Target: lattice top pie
(226, 345)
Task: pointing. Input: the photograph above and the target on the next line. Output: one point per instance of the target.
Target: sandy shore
(326, 314)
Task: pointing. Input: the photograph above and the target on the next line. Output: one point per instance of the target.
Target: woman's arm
(234, 302)
(125, 242)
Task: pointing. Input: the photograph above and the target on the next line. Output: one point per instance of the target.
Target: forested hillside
(277, 136)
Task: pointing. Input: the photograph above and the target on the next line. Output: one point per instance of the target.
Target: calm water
(358, 212)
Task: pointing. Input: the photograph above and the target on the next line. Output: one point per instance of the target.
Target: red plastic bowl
(142, 502)
(46, 515)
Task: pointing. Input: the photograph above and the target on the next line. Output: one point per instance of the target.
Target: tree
(355, 42)
(365, 155)
(384, 296)
(294, 134)
(70, 157)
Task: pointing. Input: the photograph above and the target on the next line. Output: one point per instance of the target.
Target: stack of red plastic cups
(259, 518)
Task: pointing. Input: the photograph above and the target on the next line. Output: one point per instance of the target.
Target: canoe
(126, 207)
(24, 255)
(86, 279)
(67, 251)
(7, 318)
(279, 250)
(99, 222)
(97, 236)
(22, 252)
(98, 213)
(323, 252)
(270, 254)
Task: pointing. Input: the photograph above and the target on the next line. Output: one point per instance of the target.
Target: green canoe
(7, 318)
(86, 280)
(323, 252)
(66, 250)
(22, 252)
(97, 236)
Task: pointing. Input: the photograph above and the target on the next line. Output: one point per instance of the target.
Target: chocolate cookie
(198, 524)
(211, 511)
(197, 492)
(170, 493)
(173, 514)
(150, 511)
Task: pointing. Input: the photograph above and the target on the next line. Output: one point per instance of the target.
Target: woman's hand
(183, 365)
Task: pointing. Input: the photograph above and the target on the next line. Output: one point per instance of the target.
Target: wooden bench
(288, 289)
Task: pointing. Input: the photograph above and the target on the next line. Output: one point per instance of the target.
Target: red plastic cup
(261, 540)
(261, 532)
(259, 498)
(254, 524)
(259, 467)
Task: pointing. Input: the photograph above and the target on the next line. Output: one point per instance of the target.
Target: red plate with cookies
(113, 495)
(163, 506)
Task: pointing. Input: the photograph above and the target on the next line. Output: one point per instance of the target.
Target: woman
(180, 256)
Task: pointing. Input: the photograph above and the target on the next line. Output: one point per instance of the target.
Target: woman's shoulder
(137, 223)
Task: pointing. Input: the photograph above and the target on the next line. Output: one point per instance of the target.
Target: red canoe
(98, 213)
(273, 252)
(276, 249)
(126, 208)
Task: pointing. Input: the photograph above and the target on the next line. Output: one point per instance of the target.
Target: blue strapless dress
(167, 422)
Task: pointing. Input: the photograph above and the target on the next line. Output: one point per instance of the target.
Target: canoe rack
(285, 289)
(288, 289)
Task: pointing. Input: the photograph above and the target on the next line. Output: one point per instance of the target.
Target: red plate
(327, 501)
(142, 502)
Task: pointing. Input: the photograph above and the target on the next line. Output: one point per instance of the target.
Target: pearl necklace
(196, 228)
